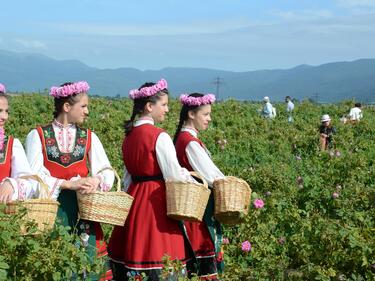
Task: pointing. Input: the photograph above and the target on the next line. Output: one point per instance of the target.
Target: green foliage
(55, 255)
(302, 233)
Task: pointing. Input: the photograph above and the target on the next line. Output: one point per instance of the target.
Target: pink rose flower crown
(70, 89)
(148, 91)
(197, 101)
(2, 89)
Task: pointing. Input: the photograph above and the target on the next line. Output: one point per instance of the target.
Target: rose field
(318, 217)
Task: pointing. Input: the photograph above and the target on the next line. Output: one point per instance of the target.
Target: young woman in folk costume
(150, 159)
(62, 154)
(13, 161)
(205, 237)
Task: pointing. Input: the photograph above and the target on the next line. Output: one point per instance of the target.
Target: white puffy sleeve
(23, 188)
(34, 155)
(167, 160)
(201, 162)
(98, 161)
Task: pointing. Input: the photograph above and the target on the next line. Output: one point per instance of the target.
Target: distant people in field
(326, 131)
(268, 110)
(289, 108)
(355, 113)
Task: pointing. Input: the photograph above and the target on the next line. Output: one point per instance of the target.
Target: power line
(317, 97)
(218, 81)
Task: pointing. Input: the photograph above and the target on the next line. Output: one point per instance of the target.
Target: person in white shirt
(13, 162)
(289, 108)
(355, 113)
(268, 110)
(205, 237)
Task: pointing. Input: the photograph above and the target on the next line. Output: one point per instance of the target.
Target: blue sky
(235, 35)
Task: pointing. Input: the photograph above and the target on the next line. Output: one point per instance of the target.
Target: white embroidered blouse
(65, 137)
(23, 188)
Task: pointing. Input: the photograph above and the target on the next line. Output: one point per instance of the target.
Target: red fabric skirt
(148, 234)
(200, 239)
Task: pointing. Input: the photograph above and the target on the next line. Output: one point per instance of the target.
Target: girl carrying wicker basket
(150, 159)
(205, 237)
(63, 154)
(13, 161)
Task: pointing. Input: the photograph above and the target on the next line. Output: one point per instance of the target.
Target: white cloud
(293, 38)
(152, 29)
(303, 15)
(30, 44)
(357, 3)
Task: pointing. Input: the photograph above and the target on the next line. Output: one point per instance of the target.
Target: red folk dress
(5, 158)
(198, 233)
(148, 234)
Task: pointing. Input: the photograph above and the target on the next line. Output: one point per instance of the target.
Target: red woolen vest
(65, 165)
(182, 142)
(6, 159)
(139, 151)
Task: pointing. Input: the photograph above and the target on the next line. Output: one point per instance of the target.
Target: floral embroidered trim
(21, 190)
(2, 138)
(61, 157)
(56, 185)
(3, 149)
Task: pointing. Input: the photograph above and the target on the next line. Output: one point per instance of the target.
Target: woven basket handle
(118, 185)
(44, 193)
(197, 175)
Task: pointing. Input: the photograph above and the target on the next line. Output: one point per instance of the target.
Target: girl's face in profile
(159, 110)
(78, 112)
(201, 118)
(4, 111)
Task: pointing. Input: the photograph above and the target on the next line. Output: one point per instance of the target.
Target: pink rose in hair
(197, 101)
(71, 89)
(148, 91)
(2, 88)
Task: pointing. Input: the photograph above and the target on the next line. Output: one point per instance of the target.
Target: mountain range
(331, 82)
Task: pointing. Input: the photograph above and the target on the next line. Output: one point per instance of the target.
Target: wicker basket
(42, 210)
(232, 199)
(106, 207)
(187, 201)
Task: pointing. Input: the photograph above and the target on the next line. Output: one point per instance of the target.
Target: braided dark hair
(4, 95)
(139, 106)
(59, 102)
(184, 116)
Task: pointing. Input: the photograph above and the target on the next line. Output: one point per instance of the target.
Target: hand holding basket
(106, 207)
(42, 210)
